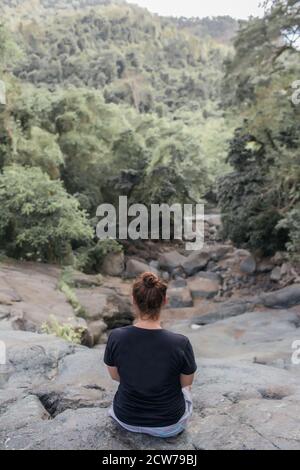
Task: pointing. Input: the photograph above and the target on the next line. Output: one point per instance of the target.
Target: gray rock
(135, 268)
(85, 429)
(218, 251)
(248, 265)
(119, 313)
(282, 298)
(246, 393)
(279, 258)
(214, 219)
(56, 395)
(209, 275)
(113, 264)
(93, 301)
(176, 283)
(276, 274)
(241, 253)
(8, 295)
(81, 280)
(33, 291)
(203, 287)
(21, 413)
(154, 264)
(96, 330)
(195, 262)
(224, 310)
(171, 260)
(286, 269)
(265, 266)
(179, 296)
(263, 337)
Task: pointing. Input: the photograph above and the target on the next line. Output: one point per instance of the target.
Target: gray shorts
(165, 431)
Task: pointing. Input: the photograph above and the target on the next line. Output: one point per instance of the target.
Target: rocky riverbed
(55, 395)
(241, 314)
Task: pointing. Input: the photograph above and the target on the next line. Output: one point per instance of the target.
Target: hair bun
(150, 280)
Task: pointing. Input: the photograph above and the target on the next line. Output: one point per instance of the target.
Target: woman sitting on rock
(155, 367)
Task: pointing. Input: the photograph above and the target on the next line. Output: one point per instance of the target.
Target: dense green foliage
(105, 99)
(38, 218)
(106, 102)
(134, 57)
(261, 199)
(220, 28)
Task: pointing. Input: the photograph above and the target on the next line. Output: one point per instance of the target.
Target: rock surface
(55, 395)
(113, 264)
(195, 262)
(171, 260)
(248, 265)
(135, 267)
(203, 287)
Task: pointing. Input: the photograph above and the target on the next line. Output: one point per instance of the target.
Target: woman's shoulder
(121, 331)
(178, 338)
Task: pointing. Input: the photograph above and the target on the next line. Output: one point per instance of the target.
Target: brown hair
(149, 293)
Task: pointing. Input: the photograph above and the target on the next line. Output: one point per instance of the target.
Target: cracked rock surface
(55, 395)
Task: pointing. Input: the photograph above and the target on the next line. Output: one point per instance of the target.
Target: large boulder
(265, 266)
(8, 295)
(82, 280)
(113, 264)
(171, 260)
(21, 413)
(203, 287)
(248, 265)
(282, 298)
(106, 304)
(179, 295)
(95, 333)
(93, 301)
(276, 274)
(195, 262)
(135, 267)
(260, 337)
(35, 297)
(218, 251)
(120, 312)
(222, 310)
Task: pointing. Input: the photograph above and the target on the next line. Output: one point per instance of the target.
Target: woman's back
(149, 363)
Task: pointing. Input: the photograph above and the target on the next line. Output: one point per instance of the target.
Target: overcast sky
(236, 8)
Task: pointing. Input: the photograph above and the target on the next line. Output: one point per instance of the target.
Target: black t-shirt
(149, 363)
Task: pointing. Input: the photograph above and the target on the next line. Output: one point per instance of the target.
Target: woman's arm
(113, 372)
(186, 380)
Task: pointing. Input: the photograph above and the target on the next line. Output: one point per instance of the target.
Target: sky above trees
(202, 8)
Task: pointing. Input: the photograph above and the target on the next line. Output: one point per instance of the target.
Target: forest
(103, 98)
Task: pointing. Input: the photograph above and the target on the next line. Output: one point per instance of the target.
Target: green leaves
(38, 217)
(260, 199)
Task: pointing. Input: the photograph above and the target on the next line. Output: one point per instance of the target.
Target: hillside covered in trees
(104, 98)
(261, 198)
